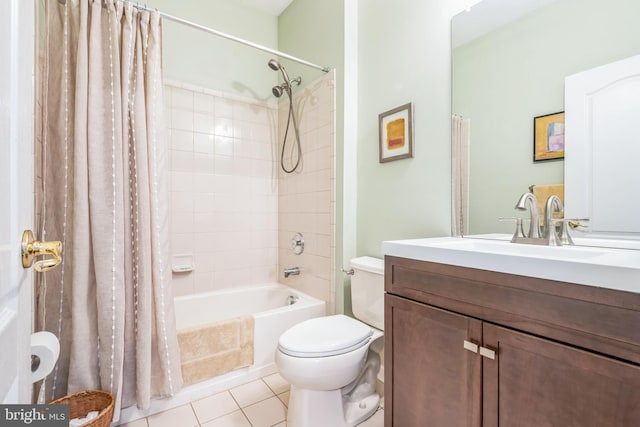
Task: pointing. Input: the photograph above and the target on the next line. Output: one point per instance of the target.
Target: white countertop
(611, 268)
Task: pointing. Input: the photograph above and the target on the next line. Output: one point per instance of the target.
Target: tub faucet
(528, 200)
(291, 272)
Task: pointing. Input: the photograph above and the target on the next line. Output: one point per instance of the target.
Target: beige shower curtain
(104, 161)
(460, 135)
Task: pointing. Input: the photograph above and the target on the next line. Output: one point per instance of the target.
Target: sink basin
(612, 268)
(508, 248)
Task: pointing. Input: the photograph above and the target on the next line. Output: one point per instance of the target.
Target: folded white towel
(77, 422)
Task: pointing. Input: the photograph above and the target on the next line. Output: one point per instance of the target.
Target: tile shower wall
(306, 199)
(223, 189)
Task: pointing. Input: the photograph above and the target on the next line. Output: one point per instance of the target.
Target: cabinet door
(535, 382)
(430, 379)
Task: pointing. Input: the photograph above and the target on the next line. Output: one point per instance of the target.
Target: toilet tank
(367, 290)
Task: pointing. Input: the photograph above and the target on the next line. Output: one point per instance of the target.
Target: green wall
(315, 31)
(191, 56)
(404, 56)
(506, 78)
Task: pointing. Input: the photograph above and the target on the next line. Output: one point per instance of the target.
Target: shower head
(278, 90)
(274, 65)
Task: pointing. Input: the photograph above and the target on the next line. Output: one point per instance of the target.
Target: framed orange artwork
(548, 137)
(396, 133)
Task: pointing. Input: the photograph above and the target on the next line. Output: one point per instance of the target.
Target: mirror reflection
(509, 62)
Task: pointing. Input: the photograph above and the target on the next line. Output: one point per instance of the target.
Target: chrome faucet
(547, 234)
(553, 204)
(528, 200)
(291, 272)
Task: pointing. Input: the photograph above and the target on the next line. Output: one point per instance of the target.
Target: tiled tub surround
(223, 188)
(306, 198)
(233, 208)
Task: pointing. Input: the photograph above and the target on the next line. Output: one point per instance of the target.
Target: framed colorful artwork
(548, 137)
(396, 133)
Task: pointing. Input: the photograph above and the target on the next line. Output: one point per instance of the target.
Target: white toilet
(332, 362)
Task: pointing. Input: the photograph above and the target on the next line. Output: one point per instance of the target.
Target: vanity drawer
(602, 320)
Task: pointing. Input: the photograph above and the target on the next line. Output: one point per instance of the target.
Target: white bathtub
(273, 314)
(269, 305)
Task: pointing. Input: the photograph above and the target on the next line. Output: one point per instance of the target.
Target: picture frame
(396, 133)
(548, 137)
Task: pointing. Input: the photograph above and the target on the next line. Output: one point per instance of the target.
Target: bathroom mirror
(509, 62)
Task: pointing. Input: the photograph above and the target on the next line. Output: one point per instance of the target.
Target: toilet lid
(325, 336)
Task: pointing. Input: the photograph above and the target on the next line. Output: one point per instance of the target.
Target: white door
(17, 23)
(602, 153)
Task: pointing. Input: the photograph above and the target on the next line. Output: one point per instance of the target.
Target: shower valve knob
(297, 244)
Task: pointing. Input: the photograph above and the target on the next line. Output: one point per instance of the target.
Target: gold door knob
(32, 248)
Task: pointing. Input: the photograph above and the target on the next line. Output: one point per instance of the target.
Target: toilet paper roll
(46, 347)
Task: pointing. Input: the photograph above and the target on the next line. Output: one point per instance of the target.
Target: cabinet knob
(468, 345)
(488, 353)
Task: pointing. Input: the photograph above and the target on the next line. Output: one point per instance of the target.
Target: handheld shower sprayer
(274, 65)
(277, 92)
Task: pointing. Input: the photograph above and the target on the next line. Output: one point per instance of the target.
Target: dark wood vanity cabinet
(467, 347)
(434, 383)
(538, 382)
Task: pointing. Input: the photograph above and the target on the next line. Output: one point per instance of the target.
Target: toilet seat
(324, 337)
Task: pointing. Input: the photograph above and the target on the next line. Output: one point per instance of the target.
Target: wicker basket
(81, 403)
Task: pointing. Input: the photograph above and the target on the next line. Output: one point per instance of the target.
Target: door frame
(17, 128)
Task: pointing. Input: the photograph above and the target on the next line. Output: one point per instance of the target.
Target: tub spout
(291, 272)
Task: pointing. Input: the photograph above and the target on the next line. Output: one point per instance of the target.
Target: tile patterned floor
(261, 403)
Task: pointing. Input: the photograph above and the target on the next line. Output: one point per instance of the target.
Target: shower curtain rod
(230, 37)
